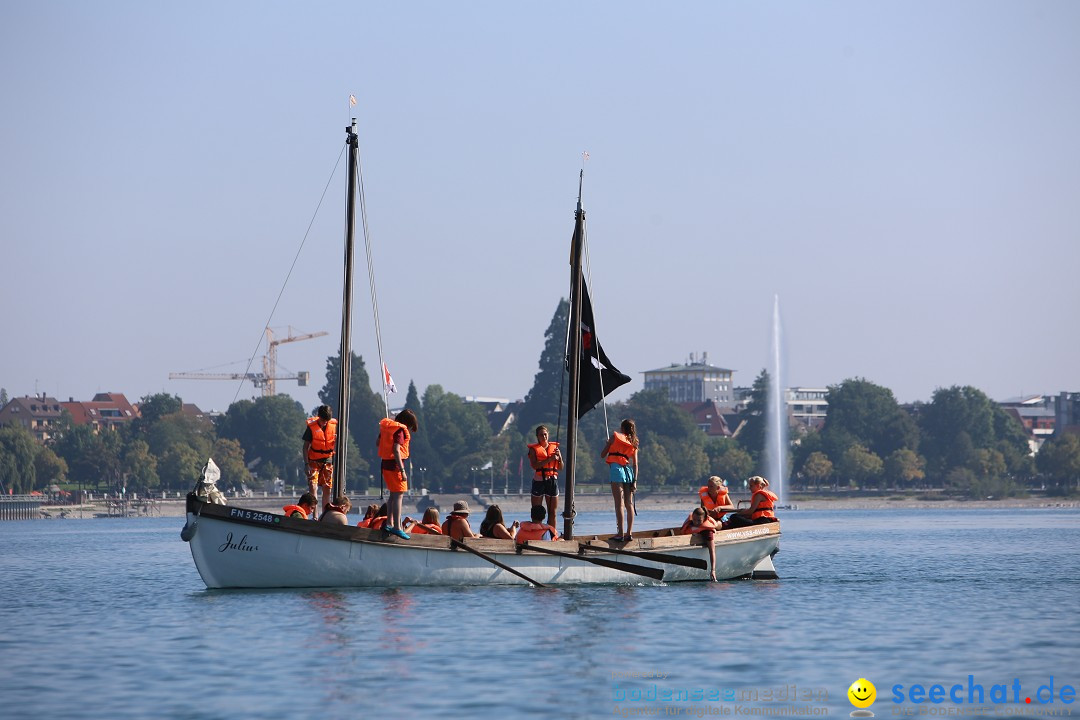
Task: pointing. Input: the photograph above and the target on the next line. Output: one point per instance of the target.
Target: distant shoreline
(589, 502)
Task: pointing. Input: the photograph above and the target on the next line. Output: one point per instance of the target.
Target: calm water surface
(109, 619)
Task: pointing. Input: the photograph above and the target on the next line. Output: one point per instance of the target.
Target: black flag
(599, 377)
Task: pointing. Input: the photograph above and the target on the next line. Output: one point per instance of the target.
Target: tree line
(960, 441)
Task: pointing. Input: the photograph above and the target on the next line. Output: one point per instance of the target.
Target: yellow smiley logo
(862, 693)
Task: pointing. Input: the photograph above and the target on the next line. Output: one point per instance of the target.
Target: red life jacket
(425, 529)
(387, 429)
(689, 527)
(549, 464)
(322, 441)
(290, 510)
(621, 451)
(377, 523)
(535, 531)
(765, 505)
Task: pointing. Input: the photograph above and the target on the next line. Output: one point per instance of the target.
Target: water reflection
(330, 606)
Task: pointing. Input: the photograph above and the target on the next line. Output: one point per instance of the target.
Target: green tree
(92, 458)
(1059, 463)
(269, 429)
(17, 450)
(752, 435)
(673, 431)
(817, 467)
(425, 462)
(49, 467)
(868, 414)
(154, 407)
(180, 467)
(547, 400)
(727, 459)
(861, 466)
(167, 431)
(3, 397)
(655, 464)
(458, 430)
(228, 455)
(141, 466)
(960, 420)
(904, 467)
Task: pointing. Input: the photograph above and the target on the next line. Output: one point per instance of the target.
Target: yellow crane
(268, 378)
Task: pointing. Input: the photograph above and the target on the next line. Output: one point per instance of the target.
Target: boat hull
(238, 548)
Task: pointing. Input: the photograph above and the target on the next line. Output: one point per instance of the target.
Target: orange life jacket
(456, 530)
(689, 528)
(549, 465)
(322, 441)
(535, 531)
(291, 509)
(765, 505)
(387, 428)
(425, 529)
(621, 450)
(708, 503)
(376, 523)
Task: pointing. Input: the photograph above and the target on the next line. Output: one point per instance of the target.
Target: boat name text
(748, 533)
(253, 515)
(241, 545)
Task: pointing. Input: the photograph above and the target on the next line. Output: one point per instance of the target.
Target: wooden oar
(654, 573)
(493, 561)
(655, 557)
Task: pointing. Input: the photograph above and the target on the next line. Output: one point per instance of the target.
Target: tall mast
(345, 376)
(574, 352)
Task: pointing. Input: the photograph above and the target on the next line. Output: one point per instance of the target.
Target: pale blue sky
(904, 175)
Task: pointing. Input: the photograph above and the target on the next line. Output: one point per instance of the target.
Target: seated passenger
(304, 508)
(429, 525)
(369, 515)
(537, 528)
(336, 514)
(699, 523)
(762, 502)
(494, 526)
(379, 520)
(457, 523)
(715, 498)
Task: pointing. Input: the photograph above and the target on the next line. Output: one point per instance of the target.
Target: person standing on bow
(320, 439)
(546, 459)
(393, 445)
(621, 453)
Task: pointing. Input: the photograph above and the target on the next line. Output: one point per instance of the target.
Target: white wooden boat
(238, 548)
(235, 547)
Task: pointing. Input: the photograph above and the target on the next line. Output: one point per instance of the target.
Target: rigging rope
(262, 333)
(371, 284)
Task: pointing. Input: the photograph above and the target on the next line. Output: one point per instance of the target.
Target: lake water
(109, 619)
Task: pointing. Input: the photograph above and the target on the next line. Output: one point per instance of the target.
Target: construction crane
(267, 379)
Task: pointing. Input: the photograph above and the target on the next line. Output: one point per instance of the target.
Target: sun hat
(461, 507)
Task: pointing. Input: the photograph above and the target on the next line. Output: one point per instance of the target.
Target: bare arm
(400, 462)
